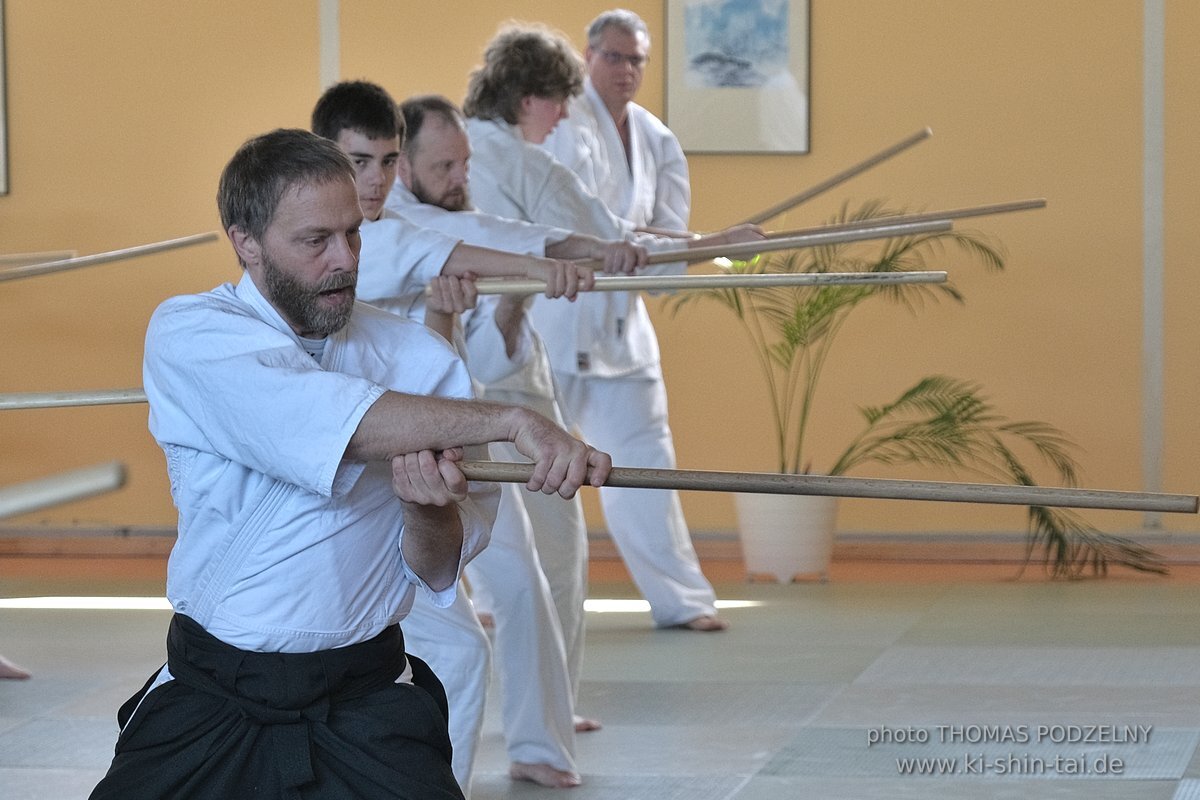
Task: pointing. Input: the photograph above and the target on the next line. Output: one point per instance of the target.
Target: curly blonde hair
(520, 61)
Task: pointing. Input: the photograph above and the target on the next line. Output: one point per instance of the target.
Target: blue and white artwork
(735, 43)
(737, 75)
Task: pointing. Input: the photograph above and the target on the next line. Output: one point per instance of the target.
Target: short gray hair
(266, 167)
(619, 18)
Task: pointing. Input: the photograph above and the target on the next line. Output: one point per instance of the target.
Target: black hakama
(235, 724)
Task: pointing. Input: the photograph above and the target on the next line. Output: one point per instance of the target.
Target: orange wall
(121, 115)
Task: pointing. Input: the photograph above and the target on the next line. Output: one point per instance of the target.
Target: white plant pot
(786, 535)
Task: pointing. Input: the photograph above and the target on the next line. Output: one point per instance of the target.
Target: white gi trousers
(560, 536)
(626, 417)
(537, 713)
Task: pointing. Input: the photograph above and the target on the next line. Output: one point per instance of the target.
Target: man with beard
(537, 702)
(312, 444)
(431, 190)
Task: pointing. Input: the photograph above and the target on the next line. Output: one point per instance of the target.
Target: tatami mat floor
(972, 684)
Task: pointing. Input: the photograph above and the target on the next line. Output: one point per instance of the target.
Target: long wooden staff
(649, 283)
(841, 177)
(739, 250)
(25, 259)
(840, 486)
(884, 229)
(23, 498)
(925, 216)
(99, 397)
(32, 270)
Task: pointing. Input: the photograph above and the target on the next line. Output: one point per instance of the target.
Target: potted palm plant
(937, 421)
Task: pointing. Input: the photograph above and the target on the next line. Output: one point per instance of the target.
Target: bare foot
(544, 775)
(10, 670)
(586, 725)
(486, 619)
(707, 623)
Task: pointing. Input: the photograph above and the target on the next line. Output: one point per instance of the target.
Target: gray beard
(298, 301)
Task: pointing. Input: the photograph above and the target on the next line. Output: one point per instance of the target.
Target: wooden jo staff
(99, 397)
(841, 177)
(32, 270)
(924, 216)
(25, 259)
(644, 283)
(840, 486)
(739, 250)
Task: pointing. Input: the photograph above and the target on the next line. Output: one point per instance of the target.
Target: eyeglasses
(613, 58)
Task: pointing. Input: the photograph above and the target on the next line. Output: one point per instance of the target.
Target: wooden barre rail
(839, 178)
(29, 496)
(840, 486)
(32, 270)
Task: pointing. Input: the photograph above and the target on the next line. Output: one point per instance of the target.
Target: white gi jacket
(284, 546)
(650, 188)
(603, 334)
(394, 266)
(397, 260)
(529, 371)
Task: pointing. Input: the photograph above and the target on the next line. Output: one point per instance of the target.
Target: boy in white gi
(312, 445)
(537, 702)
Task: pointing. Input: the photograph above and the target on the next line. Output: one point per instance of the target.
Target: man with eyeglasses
(623, 153)
(630, 160)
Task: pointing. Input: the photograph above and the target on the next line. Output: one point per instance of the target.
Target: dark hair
(414, 110)
(620, 18)
(265, 167)
(522, 60)
(357, 106)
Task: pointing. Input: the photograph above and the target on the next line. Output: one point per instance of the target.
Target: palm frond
(938, 421)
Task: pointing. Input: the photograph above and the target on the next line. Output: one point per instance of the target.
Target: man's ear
(248, 250)
(404, 169)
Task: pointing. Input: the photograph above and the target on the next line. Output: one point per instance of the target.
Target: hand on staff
(736, 234)
(431, 486)
(561, 463)
(621, 257)
(429, 478)
(446, 296)
(562, 278)
(450, 294)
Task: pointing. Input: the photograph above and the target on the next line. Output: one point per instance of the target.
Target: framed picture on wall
(737, 75)
(3, 111)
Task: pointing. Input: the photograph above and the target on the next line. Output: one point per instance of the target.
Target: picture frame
(737, 75)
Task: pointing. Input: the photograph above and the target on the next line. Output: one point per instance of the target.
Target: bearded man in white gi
(604, 353)
(432, 189)
(312, 444)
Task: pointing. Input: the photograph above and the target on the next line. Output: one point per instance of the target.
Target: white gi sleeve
(399, 258)
(221, 381)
